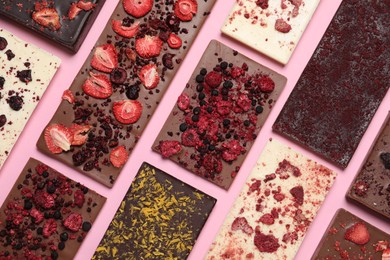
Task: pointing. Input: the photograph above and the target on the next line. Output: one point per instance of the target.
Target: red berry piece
(232, 150)
(241, 223)
(105, 58)
(213, 79)
(44, 200)
(36, 215)
(79, 133)
(49, 227)
(244, 102)
(174, 41)
(74, 10)
(358, 234)
(262, 3)
(58, 138)
(298, 193)
(127, 111)
(86, 6)
(47, 17)
(386, 254)
(68, 96)
(119, 156)
(137, 8)
(78, 198)
(183, 101)
(360, 188)
(125, 31)
(282, 26)
(73, 222)
(98, 86)
(149, 76)
(267, 219)
(212, 164)
(169, 148)
(190, 138)
(185, 9)
(148, 46)
(265, 83)
(266, 243)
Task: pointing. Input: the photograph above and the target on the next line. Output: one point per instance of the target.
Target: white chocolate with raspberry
(43, 66)
(254, 26)
(273, 221)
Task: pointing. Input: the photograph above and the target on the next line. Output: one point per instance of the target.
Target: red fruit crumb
(286, 168)
(86, 6)
(386, 254)
(169, 148)
(262, 3)
(224, 107)
(357, 234)
(212, 164)
(79, 198)
(241, 223)
(381, 245)
(236, 72)
(265, 83)
(68, 96)
(267, 219)
(232, 150)
(360, 188)
(73, 222)
(255, 186)
(279, 197)
(282, 26)
(49, 227)
(183, 101)
(213, 79)
(269, 177)
(47, 17)
(185, 9)
(266, 243)
(244, 102)
(40, 168)
(190, 138)
(37, 215)
(44, 199)
(137, 8)
(298, 193)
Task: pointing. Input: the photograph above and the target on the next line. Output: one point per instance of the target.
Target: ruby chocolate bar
(349, 237)
(219, 114)
(274, 210)
(343, 84)
(371, 186)
(109, 103)
(25, 73)
(66, 22)
(46, 215)
(159, 218)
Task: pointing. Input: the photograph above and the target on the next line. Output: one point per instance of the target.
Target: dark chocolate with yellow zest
(159, 218)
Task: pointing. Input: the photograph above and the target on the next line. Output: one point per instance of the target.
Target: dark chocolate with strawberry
(349, 237)
(46, 215)
(219, 114)
(66, 22)
(108, 105)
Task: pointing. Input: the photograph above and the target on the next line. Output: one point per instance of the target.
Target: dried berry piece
(68, 96)
(118, 76)
(15, 102)
(213, 79)
(74, 10)
(262, 3)
(266, 243)
(360, 188)
(97, 86)
(174, 41)
(241, 223)
(183, 102)
(148, 46)
(169, 148)
(149, 76)
(73, 222)
(185, 9)
(119, 156)
(79, 133)
(105, 58)
(58, 138)
(127, 111)
(357, 234)
(125, 31)
(47, 17)
(24, 75)
(137, 8)
(298, 193)
(132, 92)
(85, 5)
(282, 26)
(3, 43)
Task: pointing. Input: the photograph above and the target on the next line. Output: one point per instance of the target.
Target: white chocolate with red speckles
(255, 27)
(43, 66)
(315, 179)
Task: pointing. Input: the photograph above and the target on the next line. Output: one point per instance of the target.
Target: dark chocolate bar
(46, 215)
(159, 218)
(66, 22)
(120, 85)
(343, 84)
(219, 114)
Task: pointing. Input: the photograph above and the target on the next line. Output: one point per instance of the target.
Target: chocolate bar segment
(66, 22)
(46, 215)
(159, 218)
(275, 208)
(109, 103)
(371, 187)
(343, 84)
(219, 114)
(349, 237)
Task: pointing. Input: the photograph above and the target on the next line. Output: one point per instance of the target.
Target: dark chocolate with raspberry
(349, 237)
(343, 84)
(371, 187)
(46, 215)
(109, 103)
(67, 22)
(219, 114)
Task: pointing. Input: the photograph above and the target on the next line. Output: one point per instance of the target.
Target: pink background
(25, 147)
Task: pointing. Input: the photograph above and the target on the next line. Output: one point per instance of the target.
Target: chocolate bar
(343, 84)
(349, 237)
(219, 114)
(109, 103)
(46, 215)
(275, 208)
(66, 22)
(159, 218)
(26, 72)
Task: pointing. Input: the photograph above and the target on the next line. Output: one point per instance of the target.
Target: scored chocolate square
(219, 114)
(46, 215)
(67, 22)
(159, 218)
(371, 186)
(343, 84)
(109, 103)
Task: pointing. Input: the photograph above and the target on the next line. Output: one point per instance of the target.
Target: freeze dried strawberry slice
(185, 9)
(74, 10)
(73, 222)
(137, 8)
(358, 234)
(148, 46)
(79, 133)
(86, 6)
(47, 17)
(386, 254)
(68, 96)
(58, 138)
(169, 148)
(125, 31)
(174, 41)
(127, 111)
(40, 5)
(98, 86)
(149, 76)
(105, 58)
(119, 156)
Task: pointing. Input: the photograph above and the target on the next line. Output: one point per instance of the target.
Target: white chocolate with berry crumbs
(270, 27)
(274, 210)
(25, 73)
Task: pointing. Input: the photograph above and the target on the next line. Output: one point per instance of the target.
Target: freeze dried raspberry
(269, 177)
(169, 148)
(44, 199)
(255, 186)
(267, 219)
(79, 198)
(236, 72)
(266, 243)
(264, 83)
(297, 192)
(212, 164)
(183, 101)
(49, 227)
(36, 215)
(213, 79)
(286, 168)
(73, 222)
(190, 138)
(360, 188)
(241, 223)
(263, 4)
(244, 102)
(282, 26)
(40, 168)
(224, 107)
(232, 150)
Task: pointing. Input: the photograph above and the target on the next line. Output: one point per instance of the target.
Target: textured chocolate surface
(334, 244)
(38, 217)
(217, 125)
(371, 186)
(159, 218)
(107, 133)
(343, 84)
(72, 32)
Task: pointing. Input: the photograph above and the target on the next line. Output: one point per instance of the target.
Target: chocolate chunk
(3, 120)
(3, 43)
(24, 75)
(15, 102)
(10, 55)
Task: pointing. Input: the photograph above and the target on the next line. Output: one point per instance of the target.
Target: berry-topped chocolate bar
(66, 22)
(219, 114)
(343, 84)
(108, 105)
(46, 215)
